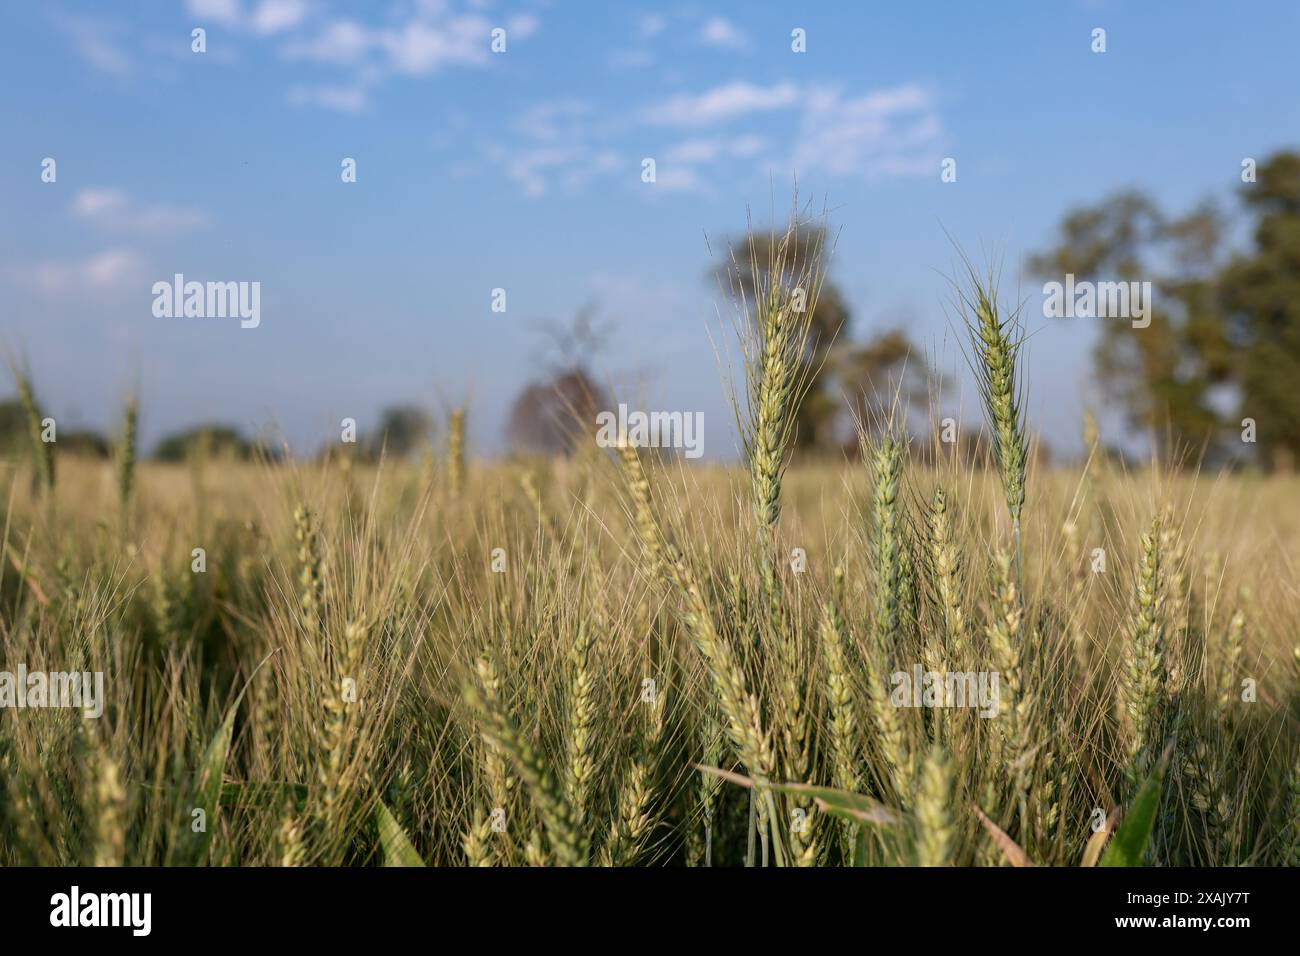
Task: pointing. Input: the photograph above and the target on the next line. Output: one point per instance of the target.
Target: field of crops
(619, 658)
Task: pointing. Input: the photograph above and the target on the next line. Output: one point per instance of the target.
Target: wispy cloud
(113, 210)
(706, 150)
(650, 26)
(555, 118)
(536, 169)
(112, 270)
(275, 16)
(344, 99)
(415, 48)
(97, 42)
(523, 26)
(266, 17)
(341, 42)
(721, 32)
(427, 40)
(420, 48)
(225, 12)
(737, 129)
(890, 132)
(721, 103)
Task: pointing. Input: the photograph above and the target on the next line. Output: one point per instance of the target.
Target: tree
(845, 378)
(86, 442)
(1261, 297)
(15, 439)
(873, 374)
(551, 415)
(1163, 376)
(404, 431)
(1224, 338)
(214, 439)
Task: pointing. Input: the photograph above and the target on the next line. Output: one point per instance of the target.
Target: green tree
(845, 377)
(873, 374)
(1163, 376)
(1224, 339)
(14, 441)
(1261, 297)
(404, 431)
(217, 440)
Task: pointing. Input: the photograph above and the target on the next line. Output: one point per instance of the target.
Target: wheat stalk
(935, 832)
(996, 344)
(562, 831)
(581, 764)
(126, 452)
(456, 453)
(1145, 678)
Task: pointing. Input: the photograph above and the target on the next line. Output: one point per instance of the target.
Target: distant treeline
(402, 431)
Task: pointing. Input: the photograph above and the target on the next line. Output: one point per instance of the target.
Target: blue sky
(522, 170)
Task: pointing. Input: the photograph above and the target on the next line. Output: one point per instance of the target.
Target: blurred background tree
(216, 440)
(550, 415)
(846, 377)
(1224, 338)
(1261, 297)
(1162, 376)
(14, 438)
(747, 268)
(404, 431)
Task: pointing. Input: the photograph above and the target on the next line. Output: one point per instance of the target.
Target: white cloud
(535, 170)
(415, 39)
(694, 151)
(419, 48)
(112, 270)
(341, 43)
(706, 150)
(550, 120)
(115, 211)
(682, 179)
(226, 12)
(890, 132)
(276, 16)
(746, 146)
(530, 167)
(265, 17)
(680, 170)
(722, 103)
(95, 41)
(344, 99)
(651, 25)
(521, 27)
(721, 32)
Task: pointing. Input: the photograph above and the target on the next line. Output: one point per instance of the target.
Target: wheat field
(625, 659)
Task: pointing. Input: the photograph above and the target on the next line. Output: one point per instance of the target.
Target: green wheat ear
(42, 451)
(456, 453)
(126, 454)
(995, 342)
(935, 832)
(567, 842)
(1146, 676)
